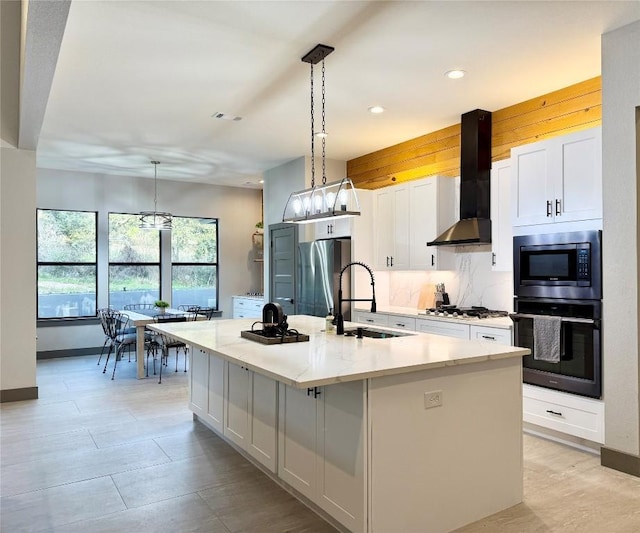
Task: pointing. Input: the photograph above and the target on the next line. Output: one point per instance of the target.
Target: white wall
(17, 269)
(620, 100)
(238, 210)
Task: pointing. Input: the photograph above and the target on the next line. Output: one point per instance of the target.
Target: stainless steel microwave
(558, 265)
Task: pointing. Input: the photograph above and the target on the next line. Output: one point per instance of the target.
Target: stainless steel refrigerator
(319, 265)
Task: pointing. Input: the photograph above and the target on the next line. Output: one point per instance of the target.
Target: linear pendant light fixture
(154, 219)
(329, 200)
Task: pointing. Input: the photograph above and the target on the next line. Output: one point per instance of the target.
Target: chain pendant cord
(324, 133)
(313, 157)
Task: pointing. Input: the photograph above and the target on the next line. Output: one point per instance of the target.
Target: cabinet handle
(488, 337)
(316, 392)
(401, 325)
(548, 208)
(493, 259)
(558, 205)
(369, 320)
(554, 412)
(309, 391)
(433, 259)
(387, 260)
(391, 260)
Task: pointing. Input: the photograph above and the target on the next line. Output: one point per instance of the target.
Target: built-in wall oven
(558, 281)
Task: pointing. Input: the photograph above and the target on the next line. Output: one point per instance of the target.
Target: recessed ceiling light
(225, 116)
(376, 109)
(455, 74)
(261, 181)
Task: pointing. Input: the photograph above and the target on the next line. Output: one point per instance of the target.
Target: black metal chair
(207, 312)
(104, 316)
(138, 307)
(191, 310)
(120, 337)
(167, 342)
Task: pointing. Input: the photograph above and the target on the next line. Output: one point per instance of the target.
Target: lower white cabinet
(322, 447)
(567, 413)
(440, 327)
(246, 307)
(377, 319)
(402, 322)
(206, 395)
(483, 333)
(250, 413)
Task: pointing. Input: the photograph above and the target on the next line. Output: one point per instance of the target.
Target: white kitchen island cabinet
(413, 433)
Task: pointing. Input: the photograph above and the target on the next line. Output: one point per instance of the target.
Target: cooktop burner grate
(465, 312)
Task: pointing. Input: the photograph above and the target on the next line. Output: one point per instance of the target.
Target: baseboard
(562, 438)
(69, 352)
(18, 395)
(621, 461)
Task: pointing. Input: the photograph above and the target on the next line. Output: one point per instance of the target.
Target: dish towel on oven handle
(546, 338)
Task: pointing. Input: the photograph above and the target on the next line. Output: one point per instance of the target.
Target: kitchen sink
(374, 333)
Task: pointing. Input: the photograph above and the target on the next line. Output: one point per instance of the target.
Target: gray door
(282, 266)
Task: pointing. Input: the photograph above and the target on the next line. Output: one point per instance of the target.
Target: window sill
(67, 321)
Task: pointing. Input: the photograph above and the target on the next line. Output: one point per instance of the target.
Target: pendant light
(328, 200)
(154, 219)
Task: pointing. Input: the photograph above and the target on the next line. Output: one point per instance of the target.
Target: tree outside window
(194, 262)
(67, 263)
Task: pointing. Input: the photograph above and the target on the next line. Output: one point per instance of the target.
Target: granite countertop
(498, 322)
(328, 358)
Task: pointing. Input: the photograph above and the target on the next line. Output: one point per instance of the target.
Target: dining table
(141, 318)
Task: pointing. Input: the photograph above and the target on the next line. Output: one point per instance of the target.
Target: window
(194, 262)
(67, 263)
(134, 262)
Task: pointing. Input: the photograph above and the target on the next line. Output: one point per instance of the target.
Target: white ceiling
(137, 81)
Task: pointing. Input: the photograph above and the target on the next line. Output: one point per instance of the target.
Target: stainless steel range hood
(474, 226)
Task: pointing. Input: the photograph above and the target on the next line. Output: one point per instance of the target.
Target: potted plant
(259, 227)
(161, 305)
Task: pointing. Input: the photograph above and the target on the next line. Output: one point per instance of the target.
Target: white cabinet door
(484, 333)
(430, 206)
(263, 432)
(377, 319)
(391, 228)
(297, 439)
(402, 322)
(532, 191)
(215, 409)
(247, 307)
(501, 232)
(440, 327)
(558, 179)
(341, 453)
(332, 229)
(236, 420)
(578, 177)
(198, 380)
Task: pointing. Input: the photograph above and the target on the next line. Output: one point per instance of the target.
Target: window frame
(125, 264)
(43, 320)
(215, 264)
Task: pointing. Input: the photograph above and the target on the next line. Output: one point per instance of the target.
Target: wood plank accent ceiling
(573, 108)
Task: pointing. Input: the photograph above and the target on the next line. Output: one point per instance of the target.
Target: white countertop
(328, 358)
(498, 322)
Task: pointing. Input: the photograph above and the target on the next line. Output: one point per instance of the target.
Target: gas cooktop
(452, 311)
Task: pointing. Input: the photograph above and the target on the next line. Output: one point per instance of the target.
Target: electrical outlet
(432, 399)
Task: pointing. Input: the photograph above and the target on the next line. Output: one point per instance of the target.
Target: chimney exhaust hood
(474, 226)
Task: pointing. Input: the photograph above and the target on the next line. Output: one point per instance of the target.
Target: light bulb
(343, 195)
(297, 206)
(317, 202)
(306, 203)
(331, 200)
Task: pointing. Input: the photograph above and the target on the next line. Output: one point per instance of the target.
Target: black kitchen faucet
(339, 317)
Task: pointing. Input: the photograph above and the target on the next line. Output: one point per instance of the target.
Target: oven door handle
(595, 322)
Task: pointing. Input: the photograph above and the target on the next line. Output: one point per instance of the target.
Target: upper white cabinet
(332, 229)
(409, 215)
(391, 228)
(501, 233)
(558, 179)
(431, 209)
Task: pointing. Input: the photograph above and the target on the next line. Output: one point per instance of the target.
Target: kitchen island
(414, 433)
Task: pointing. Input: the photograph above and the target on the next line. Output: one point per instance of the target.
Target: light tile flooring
(99, 455)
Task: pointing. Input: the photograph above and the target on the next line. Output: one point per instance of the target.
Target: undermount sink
(374, 333)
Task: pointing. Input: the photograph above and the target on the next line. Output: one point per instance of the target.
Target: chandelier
(327, 200)
(154, 219)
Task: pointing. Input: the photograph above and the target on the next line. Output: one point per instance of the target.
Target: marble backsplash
(471, 283)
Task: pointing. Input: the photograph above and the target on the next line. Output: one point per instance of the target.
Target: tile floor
(96, 455)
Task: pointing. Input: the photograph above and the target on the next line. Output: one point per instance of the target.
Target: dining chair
(104, 316)
(192, 310)
(121, 336)
(206, 312)
(167, 342)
